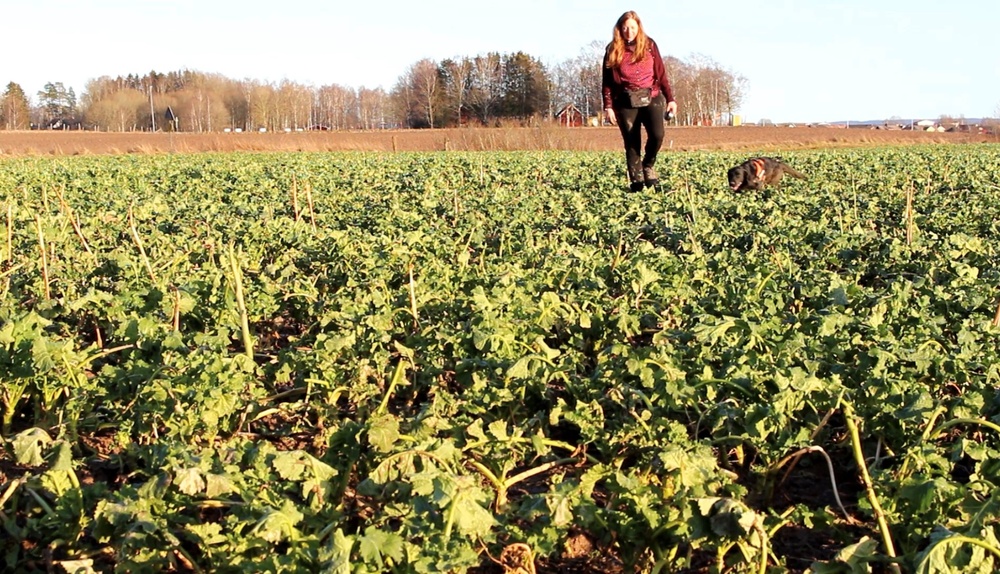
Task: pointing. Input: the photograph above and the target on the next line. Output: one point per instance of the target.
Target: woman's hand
(609, 115)
(672, 107)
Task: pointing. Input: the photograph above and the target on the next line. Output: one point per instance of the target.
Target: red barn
(570, 116)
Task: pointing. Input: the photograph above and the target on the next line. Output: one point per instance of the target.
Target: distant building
(570, 116)
(63, 124)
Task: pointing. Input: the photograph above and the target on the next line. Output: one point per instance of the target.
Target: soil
(56, 143)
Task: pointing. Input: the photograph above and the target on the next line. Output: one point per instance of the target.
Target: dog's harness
(758, 168)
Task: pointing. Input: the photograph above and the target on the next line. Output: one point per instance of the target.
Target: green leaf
(85, 566)
(377, 545)
(498, 429)
(853, 559)
(646, 276)
(424, 482)
(470, 517)
(521, 369)
(712, 329)
(336, 555)
(403, 350)
(217, 485)
(189, 481)
(731, 519)
(209, 533)
(564, 496)
(475, 431)
(858, 553)
(61, 458)
(28, 446)
(289, 465)
(279, 524)
(383, 432)
(550, 353)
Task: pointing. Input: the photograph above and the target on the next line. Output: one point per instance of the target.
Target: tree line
(487, 90)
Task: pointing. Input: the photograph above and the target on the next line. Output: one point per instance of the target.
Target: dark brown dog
(757, 172)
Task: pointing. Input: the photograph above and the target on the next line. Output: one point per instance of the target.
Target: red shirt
(627, 76)
(637, 75)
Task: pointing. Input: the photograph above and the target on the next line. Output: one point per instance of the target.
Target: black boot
(650, 177)
(636, 177)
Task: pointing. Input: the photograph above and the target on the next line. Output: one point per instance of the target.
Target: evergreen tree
(525, 86)
(56, 102)
(14, 108)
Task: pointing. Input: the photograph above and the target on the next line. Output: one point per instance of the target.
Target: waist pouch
(639, 98)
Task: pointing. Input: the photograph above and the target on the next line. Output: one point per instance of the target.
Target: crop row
(422, 362)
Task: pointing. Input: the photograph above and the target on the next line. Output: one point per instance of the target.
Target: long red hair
(616, 50)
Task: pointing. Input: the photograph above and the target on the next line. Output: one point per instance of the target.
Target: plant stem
(397, 376)
(537, 470)
(928, 430)
(176, 322)
(450, 516)
(618, 252)
(909, 215)
(413, 298)
(9, 253)
(234, 266)
(11, 487)
(10, 235)
(79, 233)
(866, 479)
(309, 200)
(295, 198)
(763, 545)
(954, 422)
(45, 263)
(812, 437)
(829, 465)
(138, 243)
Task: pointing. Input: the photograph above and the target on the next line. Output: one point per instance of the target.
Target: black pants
(630, 123)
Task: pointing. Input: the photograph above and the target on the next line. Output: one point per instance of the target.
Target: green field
(350, 362)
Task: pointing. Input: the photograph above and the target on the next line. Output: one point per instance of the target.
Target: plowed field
(719, 138)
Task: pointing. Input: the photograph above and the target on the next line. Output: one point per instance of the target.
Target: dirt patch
(49, 143)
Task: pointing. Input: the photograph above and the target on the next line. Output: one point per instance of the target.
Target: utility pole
(152, 113)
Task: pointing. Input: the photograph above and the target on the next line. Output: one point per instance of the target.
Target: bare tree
(992, 125)
(456, 74)
(682, 81)
(427, 94)
(292, 106)
(425, 84)
(199, 103)
(578, 80)
(416, 94)
(335, 107)
(589, 73)
(121, 111)
(708, 93)
(486, 85)
(261, 103)
(371, 108)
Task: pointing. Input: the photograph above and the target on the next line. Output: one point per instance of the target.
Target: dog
(757, 172)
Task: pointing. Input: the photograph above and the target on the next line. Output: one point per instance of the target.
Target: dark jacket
(613, 88)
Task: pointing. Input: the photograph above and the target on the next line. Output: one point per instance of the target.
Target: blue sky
(805, 60)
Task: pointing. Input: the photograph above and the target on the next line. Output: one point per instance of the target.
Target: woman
(636, 93)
